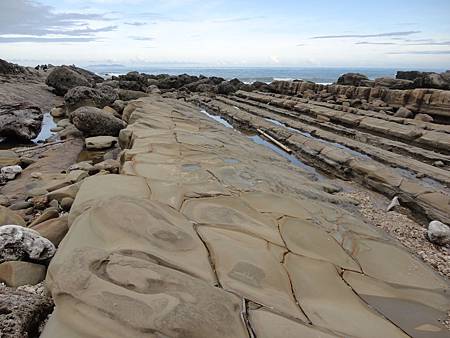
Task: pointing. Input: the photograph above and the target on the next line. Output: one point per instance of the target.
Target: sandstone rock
(23, 244)
(94, 122)
(70, 132)
(111, 111)
(403, 112)
(75, 176)
(49, 213)
(53, 229)
(100, 142)
(393, 83)
(109, 165)
(10, 172)
(63, 78)
(438, 233)
(119, 106)
(57, 112)
(84, 165)
(22, 312)
(93, 97)
(16, 273)
(10, 217)
(423, 118)
(8, 157)
(66, 203)
(69, 191)
(20, 121)
(351, 79)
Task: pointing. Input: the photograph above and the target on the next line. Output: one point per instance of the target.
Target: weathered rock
(352, 79)
(94, 122)
(393, 83)
(85, 165)
(109, 165)
(20, 205)
(49, 213)
(23, 244)
(69, 191)
(16, 273)
(93, 97)
(438, 233)
(66, 203)
(8, 157)
(10, 172)
(403, 112)
(10, 217)
(100, 142)
(22, 312)
(20, 121)
(111, 111)
(127, 95)
(423, 118)
(75, 176)
(53, 229)
(70, 132)
(64, 78)
(119, 106)
(57, 112)
(7, 68)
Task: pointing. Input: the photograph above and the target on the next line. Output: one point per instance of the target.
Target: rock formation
(20, 121)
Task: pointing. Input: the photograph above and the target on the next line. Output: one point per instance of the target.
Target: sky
(216, 33)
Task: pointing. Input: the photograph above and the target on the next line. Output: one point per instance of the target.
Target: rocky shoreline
(139, 142)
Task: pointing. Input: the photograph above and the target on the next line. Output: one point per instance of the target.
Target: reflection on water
(47, 125)
(217, 118)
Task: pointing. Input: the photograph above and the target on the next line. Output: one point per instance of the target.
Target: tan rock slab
(307, 239)
(54, 229)
(49, 213)
(17, 273)
(269, 325)
(8, 158)
(251, 267)
(125, 294)
(418, 312)
(8, 216)
(392, 264)
(232, 213)
(330, 303)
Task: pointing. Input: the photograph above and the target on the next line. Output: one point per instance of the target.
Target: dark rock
(22, 312)
(90, 76)
(119, 106)
(352, 79)
(20, 121)
(93, 97)
(64, 78)
(128, 95)
(131, 85)
(95, 122)
(433, 80)
(260, 86)
(7, 68)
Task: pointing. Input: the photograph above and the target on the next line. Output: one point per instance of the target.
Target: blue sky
(343, 33)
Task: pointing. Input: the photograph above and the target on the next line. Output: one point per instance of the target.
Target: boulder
(64, 78)
(128, 95)
(54, 229)
(95, 122)
(18, 243)
(57, 112)
(22, 312)
(10, 217)
(66, 203)
(229, 87)
(352, 79)
(8, 157)
(438, 233)
(423, 118)
(403, 112)
(20, 121)
(16, 273)
(100, 142)
(93, 97)
(10, 172)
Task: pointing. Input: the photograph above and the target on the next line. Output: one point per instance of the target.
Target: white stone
(439, 233)
(19, 243)
(10, 172)
(394, 203)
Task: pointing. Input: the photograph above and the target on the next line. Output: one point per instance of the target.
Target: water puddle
(47, 124)
(337, 145)
(259, 140)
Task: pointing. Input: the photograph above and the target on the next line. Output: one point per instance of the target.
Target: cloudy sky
(346, 33)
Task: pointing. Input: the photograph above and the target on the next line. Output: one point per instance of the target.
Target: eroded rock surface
(206, 234)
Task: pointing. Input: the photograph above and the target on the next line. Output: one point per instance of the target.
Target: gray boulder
(352, 79)
(93, 97)
(18, 243)
(64, 78)
(20, 121)
(438, 233)
(95, 122)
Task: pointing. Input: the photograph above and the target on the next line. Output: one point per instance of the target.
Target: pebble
(438, 233)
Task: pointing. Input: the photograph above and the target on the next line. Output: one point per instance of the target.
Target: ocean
(323, 75)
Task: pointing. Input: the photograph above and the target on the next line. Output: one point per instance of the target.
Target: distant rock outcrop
(7, 68)
(426, 79)
(352, 79)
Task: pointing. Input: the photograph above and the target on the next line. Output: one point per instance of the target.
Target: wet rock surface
(206, 234)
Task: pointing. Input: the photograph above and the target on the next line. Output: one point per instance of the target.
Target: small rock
(403, 112)
(111, 111)
(438, 164)
(64, 123)
(69, 191)
(37, 192)
(36, 175)
(21, 205)
(26, 161)
(56, 129)
(8, 158)
(16, 273)
(10, 217)
(438, 233)
(100, 142)
(109, 165)
(57, 112)
(66, 203)
(75, 176)
(18, 243)
(53, 229)
(4, 201)
(48, 213)
(70, 132)
(85, 165)
(54, 204)
(10, 172)
(40, 202)
(394, 203)
(423, 118)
